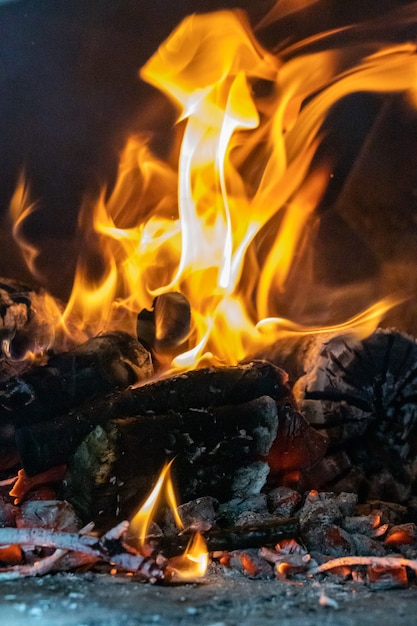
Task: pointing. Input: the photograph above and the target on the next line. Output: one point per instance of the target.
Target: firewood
(109, 548)
(363, 395)
(46, 565)
(360, 394)
(42, 446)
(110, 361)
(373, 561)
(218, 452)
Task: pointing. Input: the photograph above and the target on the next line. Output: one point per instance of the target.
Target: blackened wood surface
(167, 325)
(15, 307)
(218, 452)
(270, 532)
(363, 396)
(111, 361)
(24, 326)
(44, 445)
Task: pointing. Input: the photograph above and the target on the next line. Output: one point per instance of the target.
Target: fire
(248, 166)
(142, 519)
(193, 563)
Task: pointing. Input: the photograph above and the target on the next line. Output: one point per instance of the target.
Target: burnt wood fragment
(165, 329)
(268, 533)
(42, 446)
(298, 446)
(219, 452)
(15, 308)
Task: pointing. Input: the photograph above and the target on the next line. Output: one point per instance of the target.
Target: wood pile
(314, 443)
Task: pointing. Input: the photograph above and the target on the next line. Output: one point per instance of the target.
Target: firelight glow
(201, 223)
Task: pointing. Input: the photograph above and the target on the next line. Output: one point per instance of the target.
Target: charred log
(362, 396)
(15, 308)
(42, 446)
(218, 452)
(110, 361)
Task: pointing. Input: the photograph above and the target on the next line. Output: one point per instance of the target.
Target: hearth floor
(104, 600)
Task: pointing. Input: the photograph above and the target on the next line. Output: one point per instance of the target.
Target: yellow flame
(193, 563)
(360, 325)
(226, 219)
(139, 525)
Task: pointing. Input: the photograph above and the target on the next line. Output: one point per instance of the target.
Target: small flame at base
(193, 563)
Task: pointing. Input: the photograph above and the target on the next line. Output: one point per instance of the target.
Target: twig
(108, 548)
(373, 561)
(41, 567)
(8, 481)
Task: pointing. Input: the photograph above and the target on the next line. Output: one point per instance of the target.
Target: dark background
(70, 95)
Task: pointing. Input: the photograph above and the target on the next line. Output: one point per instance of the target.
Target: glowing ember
(248, 166)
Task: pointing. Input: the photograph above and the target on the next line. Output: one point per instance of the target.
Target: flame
(20, 209)
(193, 563)
(200, 223)
(142, 519)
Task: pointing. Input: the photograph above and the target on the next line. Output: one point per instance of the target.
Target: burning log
(351, 385)
(218, 452)
(110, 361)
(219, 422)
(41, 447)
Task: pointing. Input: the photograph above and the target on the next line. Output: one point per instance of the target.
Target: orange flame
(247, 167)
(142, 519)
(193, 563)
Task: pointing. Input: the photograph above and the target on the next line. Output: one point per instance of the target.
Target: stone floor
(103, 600)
